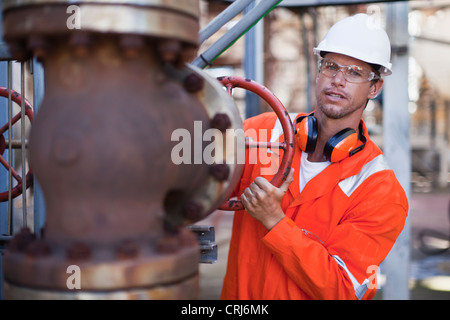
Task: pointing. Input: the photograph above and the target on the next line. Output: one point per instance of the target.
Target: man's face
(337, 98)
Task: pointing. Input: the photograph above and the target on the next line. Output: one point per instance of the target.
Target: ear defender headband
(340, 146)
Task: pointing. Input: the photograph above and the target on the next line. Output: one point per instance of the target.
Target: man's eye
(355, 73)
(331, 66)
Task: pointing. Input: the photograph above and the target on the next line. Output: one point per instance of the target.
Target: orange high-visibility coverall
(334, 235)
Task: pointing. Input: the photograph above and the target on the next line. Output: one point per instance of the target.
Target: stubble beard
(338, 112)
(333, 112)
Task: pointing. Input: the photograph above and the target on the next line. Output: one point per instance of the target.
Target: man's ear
(375, 89)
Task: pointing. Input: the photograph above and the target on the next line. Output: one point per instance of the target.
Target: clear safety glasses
(351, 73)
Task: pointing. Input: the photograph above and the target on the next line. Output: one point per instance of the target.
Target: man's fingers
(244, 201)
(263, 183)
(249, 199)
(285, 185)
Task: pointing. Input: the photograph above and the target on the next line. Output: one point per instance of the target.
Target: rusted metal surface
(183, 290)
(177, 20)
(100, 147)
(188, 7)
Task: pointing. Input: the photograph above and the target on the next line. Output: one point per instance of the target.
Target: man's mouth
(333, 95)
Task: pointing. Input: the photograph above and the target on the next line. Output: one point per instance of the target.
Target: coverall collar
(334, 173)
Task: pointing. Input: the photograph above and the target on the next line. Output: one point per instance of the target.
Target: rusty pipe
(100, 147)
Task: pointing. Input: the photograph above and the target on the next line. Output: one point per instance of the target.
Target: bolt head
(220, 121)
(193, 210)
(127, 249)
(39, 248)
(21, 240)
(220, 172)
(78, 251)
(193, 83)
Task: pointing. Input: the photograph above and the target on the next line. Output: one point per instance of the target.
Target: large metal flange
(189, 7)
(37, 264)
(31, 23)
(221, 145)
(187, 289)
(226, 127)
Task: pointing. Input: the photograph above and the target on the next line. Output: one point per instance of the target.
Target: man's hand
(262, 200)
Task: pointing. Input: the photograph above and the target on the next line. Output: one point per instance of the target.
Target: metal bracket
(206, 239)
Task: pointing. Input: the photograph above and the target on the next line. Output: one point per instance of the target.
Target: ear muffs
(306, 133)
(342, 145)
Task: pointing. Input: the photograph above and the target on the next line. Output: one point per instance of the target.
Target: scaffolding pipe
(38, 196)
(396, 145)
(225, 16)
(247, 22)
(254, 63)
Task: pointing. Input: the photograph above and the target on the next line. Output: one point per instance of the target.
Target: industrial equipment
(117, 86)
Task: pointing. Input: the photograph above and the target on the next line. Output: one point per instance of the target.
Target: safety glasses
(355, 74)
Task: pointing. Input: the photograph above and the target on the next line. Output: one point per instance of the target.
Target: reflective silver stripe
(360, 289)
(350, 184)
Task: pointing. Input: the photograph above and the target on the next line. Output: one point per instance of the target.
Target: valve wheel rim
(232, 82)
(18, 189)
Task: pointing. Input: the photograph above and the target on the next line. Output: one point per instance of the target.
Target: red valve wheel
(287, 145)
(17, 190)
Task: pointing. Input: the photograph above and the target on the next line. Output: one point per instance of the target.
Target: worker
(323, 233)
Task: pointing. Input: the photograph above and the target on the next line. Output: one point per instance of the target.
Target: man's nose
(339, 78)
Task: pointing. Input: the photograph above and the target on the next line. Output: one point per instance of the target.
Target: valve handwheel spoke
(8, 167)
(287, 145)
(18, 189)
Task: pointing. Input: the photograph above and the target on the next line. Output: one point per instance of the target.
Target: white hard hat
(361, 37)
